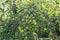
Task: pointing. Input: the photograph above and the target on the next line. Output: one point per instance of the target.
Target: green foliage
(29, 19)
